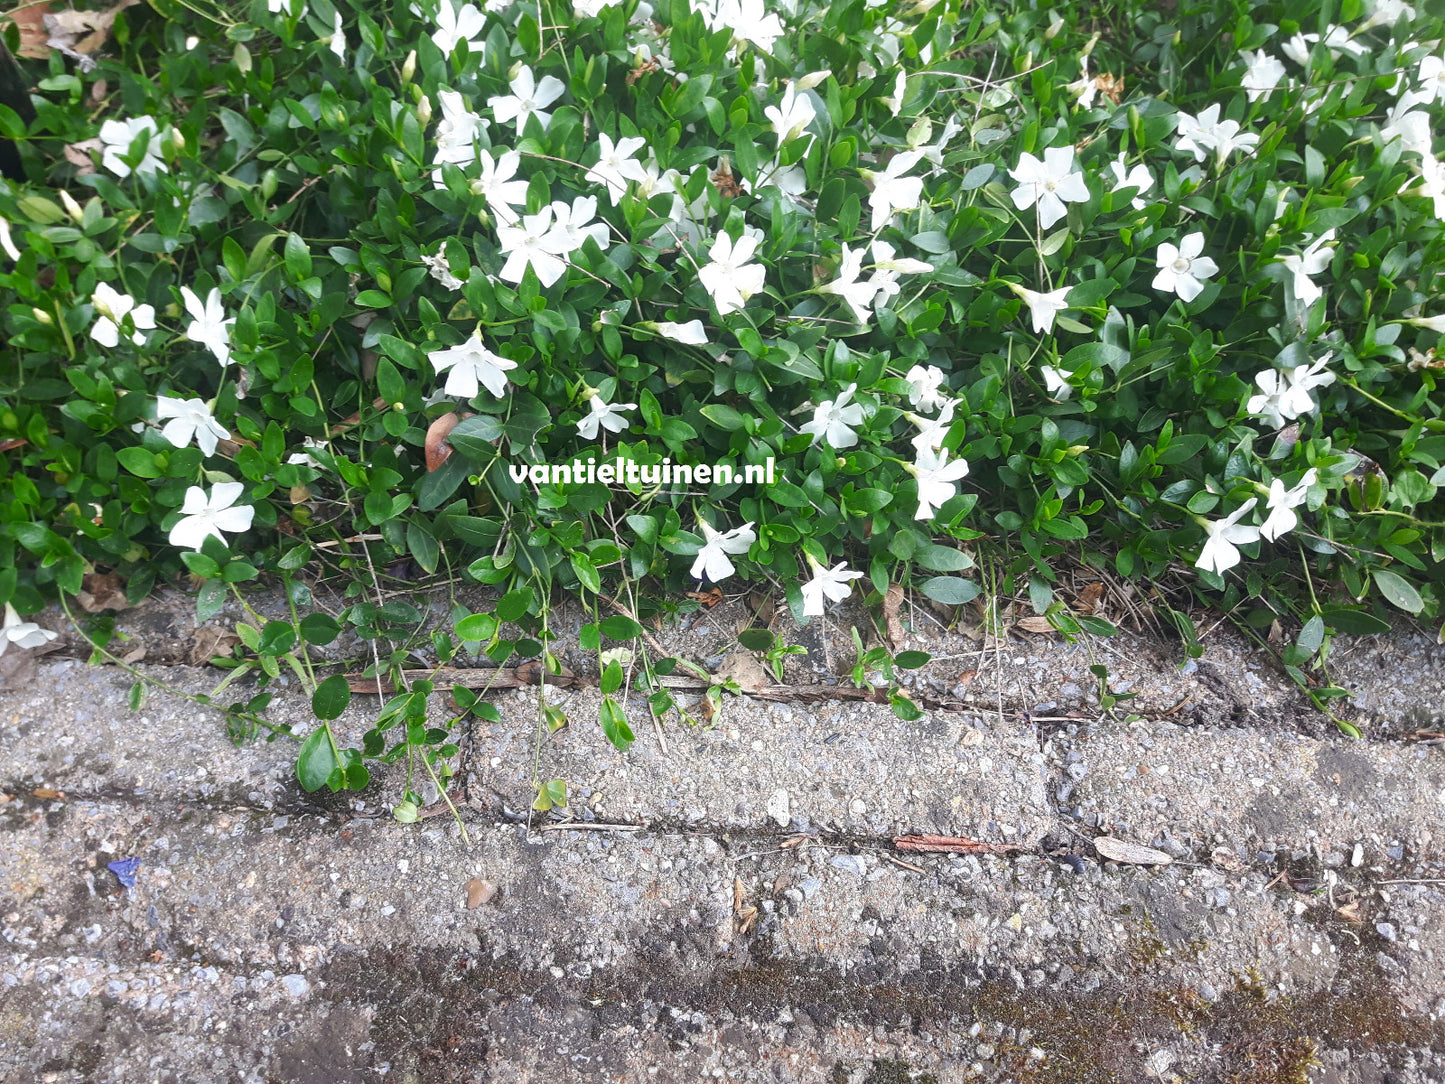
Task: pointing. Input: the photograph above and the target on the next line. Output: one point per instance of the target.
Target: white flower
(1043, 307)
(858, 295)
(1219, 554)
(1388, 13)
(936, 477)
(203, 516)
(1270, 403)
(24, 634)
(894, 101)
(1085, 88)
(440, 270)
(608, 415)
(461, 23)
(1303, 379)
(750, 22)
(832, 584)
(457, 133)
(338, 38)
(113, 307)
(834, 419)
(1430, 323)
(1056, 383)
(926, 388)
(932, 431)
(1432, 183)
(1049, 183)
(616, 164)
(1312, 261)
(190, 419)
(496, 184)
(1183, 270)
(1207, 132)
(730, 279)
(1262, 74)
(304, 456)
(885, 260)
(572, 224)
(472, 364)
(1409, 124)
(7, 243)
(1138, 178)
(691, 333)
(283, 7)
(712, 560)
(1282, 503)
(1432, 77)
(116, 136)
(791, 117)
(891, 190)
(1337, 40)
(209, 325)
(590, 9)
(528, 98)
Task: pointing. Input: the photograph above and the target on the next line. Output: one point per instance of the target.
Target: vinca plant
(302, 288)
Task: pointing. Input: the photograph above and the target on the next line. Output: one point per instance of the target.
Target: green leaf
(586, 572)
(951, 590)
(1398, 591)
(1311, 636)
(331, 697)
(514, 604)
(911, 660)
(1353, 622)
(620, 628)
(943, 559)
(758, 640)
(317, 760)
(614, 724)
(319, 629)
(476, 628)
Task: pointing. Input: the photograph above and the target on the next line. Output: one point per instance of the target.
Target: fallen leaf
(438, 451)
(764, 608)
(101, 591)
(81, 34)
(952, 845)
(892, 601)
(1119, 850)
(744, 668)
(207, 643)
(1034, 624)
(1088, 597)
(30, 20)
(479, 892)
(709, 598)
(47, 793)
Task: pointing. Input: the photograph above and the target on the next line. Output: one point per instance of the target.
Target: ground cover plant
(292, 289)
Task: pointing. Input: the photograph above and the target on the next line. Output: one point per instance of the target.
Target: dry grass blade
(952, 845)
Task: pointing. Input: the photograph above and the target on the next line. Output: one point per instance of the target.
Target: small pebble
(1357, 859)
(295, 985)
(479, 892)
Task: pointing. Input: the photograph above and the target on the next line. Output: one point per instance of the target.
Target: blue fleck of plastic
(124, 871)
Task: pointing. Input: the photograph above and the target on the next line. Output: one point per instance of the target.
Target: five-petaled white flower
(534, 243)
(528, 99)
(1270, 403)
(712, 560)
(892, 191)
(23, 634)
(1262, 74)
(457, 133)
(209, 325)
(496, 184)
(1043, 307)
(190, 419)
(1432, 77)
(1183, 270)
(1337, 41)
(472, 364)
(338, 37)
(792, 116)
(1138, 178)
(203, 516)
(832, 584)
(926, 388)
(730, 279)
(858, 295)
(1048, 184)
(885, 259)
(1085, 88)
(894, 101)
(116, 137)
(932, 431)
(1312, 261)
(749, 20)
(1223, 535)
(572, 224)
(1409, 124)
(1282, 503)
(463, 22)
(616, 164)
(691, 333)
(7, 243)
(834, 419)
(936, 480)
(1056, 383)
(608, 415)
(113, 307)
(1206, 132)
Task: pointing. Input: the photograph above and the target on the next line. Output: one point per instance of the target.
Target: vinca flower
(23, 634)
(1301, 380)
(1410, 125)
(461, 23)
(457, 133)
(204, 516)
(573, 223)
(1270, 402)
(1312, 261)
(1183, 270)
(116, 137)
(190, 419)
(893, 192)
(1282, 503)
(1048, 184)
(712, 560)
(730, 279)
(1056, 383)
(616, 164)
(1043, 307)
(471, 364)
(338, 38)
(894, 101)
(1337, 41)
(1138, 178)
(1432, 77)
(691, 333)
(1206, 132)
(857, 295)
(1085, 88)
(113, 307)
(608, 415)
(936, 480)
(792, 117)
(209, 325)
(885, 260)
(1262, 74)
(932, 431)
(502, 193)
(831, 584)
(926, 387)
(528, 98)
(1223, 535)
(835, 419)
(7, 242)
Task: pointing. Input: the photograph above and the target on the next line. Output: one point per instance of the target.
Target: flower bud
(42, 316)
(423, 111)
(269, 180)
(812, 79)
(72, 208)
(408, 68)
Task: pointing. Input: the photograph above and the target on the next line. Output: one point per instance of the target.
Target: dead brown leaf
(82, 34)
(892, 602)
(1087, 600)
(1034, 623)
(30, 20)
(709, 598)
(745, 913)
(724, 181)
(764, 608)
(207, 643)
(438, 451)
(101, 591)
